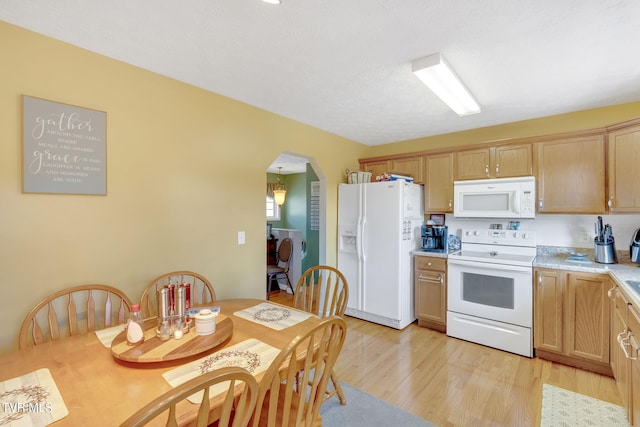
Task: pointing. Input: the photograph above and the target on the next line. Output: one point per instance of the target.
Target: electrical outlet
(241, 238)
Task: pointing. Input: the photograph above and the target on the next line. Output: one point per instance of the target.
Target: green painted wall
(313, 236)
(295, 213)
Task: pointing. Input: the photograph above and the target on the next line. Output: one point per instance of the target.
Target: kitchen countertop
(560, 259)
(420, 252)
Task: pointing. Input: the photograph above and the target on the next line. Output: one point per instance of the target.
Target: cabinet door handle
(450, 203)
(497, 169)
(610, 202)
(610, 292)
(486, 169)
(634, 348)
(431, 279)
(620, 337)
(540, 204)
(624, 342)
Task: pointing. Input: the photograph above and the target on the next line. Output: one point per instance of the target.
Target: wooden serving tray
(153, 350)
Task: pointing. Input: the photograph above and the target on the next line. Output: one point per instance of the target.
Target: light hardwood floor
(451, 382)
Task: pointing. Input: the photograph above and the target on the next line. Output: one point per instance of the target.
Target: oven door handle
(489, 266)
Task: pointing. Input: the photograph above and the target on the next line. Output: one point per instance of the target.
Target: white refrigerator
(378, 228)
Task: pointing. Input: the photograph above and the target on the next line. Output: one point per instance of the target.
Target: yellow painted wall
(579, 120)
(186, 172)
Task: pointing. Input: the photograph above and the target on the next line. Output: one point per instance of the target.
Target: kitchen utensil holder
(605, 252)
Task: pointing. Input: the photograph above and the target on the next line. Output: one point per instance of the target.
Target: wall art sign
(64, 148)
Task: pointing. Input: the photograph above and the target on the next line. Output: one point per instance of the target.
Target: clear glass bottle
(135, 326)
(164, 330)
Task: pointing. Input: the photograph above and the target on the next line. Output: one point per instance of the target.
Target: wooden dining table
(100, 390)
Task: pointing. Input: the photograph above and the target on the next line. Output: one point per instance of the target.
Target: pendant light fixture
(279, 191)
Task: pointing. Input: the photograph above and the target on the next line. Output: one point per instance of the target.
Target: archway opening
(302, 216)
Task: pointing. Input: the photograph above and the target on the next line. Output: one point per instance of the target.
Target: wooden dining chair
(74, 311)
(293, 387)
(281, 269)
(323, 291)
(202, 292)
(235, 410)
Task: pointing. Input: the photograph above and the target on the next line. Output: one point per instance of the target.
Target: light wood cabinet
(412, 166)
(501, 161)
(571, 175)
(438, 188)
(588, 316)
(548, 314)
(430, 281)
(620, 364)
(571, 323)
(634, 361)
(576, 173)
(623, 171)
(377, 167)
(625, 352)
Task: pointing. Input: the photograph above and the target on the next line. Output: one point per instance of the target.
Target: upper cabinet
(591, 171)
(624, 173)
(438, 188)
(412, 166)
(501, 161)
(376, 167)
(571, 175)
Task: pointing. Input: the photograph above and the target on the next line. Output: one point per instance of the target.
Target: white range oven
(490, 289)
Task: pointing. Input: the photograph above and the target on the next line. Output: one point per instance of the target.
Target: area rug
(362, 409)
(564, 408)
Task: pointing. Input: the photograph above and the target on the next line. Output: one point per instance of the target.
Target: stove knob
(468, 233)
(524, 235)
(476, 233)
(515, 234)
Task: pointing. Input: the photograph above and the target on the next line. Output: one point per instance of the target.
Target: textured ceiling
(345, 65)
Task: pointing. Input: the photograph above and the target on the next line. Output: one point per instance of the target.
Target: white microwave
(495, 198)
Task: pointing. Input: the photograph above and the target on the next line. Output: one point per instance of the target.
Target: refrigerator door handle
(361, 252)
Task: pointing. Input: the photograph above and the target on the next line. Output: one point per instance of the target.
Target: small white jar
(205, 322)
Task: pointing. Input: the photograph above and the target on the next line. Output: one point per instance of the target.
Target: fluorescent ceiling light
(272, 1)
(441, 79)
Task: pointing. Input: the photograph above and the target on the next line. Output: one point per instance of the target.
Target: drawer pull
(431, 279)
(624, 342)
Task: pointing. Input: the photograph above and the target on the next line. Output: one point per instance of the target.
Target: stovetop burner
(508, 247)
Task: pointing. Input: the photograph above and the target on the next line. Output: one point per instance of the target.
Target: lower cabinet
(625, 351)
(430, 281)
(620, 364)
(634, 371)
(571, 320)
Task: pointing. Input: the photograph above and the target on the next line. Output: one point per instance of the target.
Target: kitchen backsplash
(560, 230)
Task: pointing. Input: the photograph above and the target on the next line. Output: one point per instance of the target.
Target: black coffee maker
(434, 237)
(634, 247)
